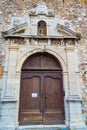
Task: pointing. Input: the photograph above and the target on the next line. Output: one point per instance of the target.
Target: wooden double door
(41, 97)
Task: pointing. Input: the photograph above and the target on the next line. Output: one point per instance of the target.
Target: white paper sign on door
(34, 95)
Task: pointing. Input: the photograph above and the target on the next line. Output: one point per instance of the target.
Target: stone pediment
(27, 26)
(67, 30)
(19, 29)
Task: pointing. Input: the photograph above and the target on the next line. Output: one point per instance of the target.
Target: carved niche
(42, 29)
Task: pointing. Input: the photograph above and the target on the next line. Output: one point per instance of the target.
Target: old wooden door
(41, 95)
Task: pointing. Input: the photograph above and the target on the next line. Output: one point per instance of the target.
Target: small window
(42, 28)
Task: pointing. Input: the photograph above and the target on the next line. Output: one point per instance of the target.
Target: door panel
(51, 93)
(41, 61)
(53, 112)
(41, 99)
(30, 99)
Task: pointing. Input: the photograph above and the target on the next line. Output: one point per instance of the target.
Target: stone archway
(41, 93)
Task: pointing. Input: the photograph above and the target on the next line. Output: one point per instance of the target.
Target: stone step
(42, 127)
(48, 127)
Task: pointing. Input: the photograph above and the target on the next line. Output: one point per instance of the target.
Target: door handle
(45, 97)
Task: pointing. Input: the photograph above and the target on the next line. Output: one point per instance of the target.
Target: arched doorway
(41, 92)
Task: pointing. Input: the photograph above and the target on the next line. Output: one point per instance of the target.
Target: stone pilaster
(70, 54)
(73, 100)
(9, 91)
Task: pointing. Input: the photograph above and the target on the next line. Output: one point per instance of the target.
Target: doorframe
(64, 76)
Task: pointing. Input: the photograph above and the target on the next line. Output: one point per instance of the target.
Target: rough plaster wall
(73, 10)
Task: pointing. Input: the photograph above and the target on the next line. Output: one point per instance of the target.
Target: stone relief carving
(63, 42)
(42, 9)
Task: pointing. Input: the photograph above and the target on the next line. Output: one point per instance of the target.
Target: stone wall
(73, 10)
(1, 50)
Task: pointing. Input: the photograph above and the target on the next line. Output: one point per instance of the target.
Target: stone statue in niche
(42, 32)
(42, 28)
